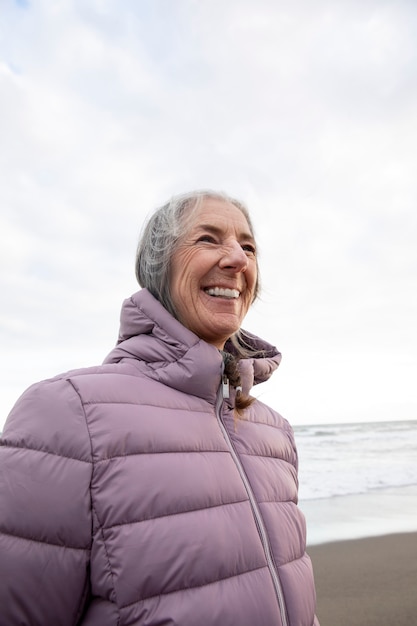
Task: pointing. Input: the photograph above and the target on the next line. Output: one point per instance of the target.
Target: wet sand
(367, 582)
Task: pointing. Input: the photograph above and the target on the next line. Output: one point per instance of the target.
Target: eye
(206, 239)
(249, 248)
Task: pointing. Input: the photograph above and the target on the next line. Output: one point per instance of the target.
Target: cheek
(183, 271)
(253, 282)
(178, 266)
(190, 266)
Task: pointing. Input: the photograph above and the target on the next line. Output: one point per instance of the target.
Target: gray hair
(160, 237)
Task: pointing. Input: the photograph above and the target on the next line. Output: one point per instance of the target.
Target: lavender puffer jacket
(130, 495)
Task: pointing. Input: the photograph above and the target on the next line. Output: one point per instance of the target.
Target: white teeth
(224, 293)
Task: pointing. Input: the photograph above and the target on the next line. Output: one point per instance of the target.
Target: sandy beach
(367, 582)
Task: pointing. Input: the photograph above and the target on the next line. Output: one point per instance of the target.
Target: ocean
(357, 480)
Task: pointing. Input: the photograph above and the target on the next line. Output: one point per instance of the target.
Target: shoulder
(265, 414)
(50, 415)
(273, 430)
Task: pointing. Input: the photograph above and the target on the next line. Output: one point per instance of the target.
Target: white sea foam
(358, 480)
(380, 512)
(343, 459)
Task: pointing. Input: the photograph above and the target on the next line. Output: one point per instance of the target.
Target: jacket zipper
(222, 394)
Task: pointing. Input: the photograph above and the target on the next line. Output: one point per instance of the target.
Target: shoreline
(379, 512)
(369, 581)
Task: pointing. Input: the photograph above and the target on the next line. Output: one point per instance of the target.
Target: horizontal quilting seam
(184, 512)
(275, 426)
(266, 456)
(42, 542)
(63, 456)
(286, 501)
(212, 582)
(160, 452)
(142, 405)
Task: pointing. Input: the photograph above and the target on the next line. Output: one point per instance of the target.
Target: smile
(219, 292)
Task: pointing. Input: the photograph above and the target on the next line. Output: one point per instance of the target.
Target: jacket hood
(169, 352)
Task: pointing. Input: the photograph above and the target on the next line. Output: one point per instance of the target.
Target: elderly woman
(153, 489)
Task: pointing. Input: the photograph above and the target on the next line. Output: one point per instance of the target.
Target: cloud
(305, 111)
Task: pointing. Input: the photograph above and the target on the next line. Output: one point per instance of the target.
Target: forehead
(219, 214)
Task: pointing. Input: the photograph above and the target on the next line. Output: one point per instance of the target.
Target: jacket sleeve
(45, 512)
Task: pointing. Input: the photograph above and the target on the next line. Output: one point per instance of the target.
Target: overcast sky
(307, 111)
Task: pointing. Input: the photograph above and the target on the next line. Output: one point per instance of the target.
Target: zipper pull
(225, 387)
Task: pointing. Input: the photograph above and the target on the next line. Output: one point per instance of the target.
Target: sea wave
(348, 459)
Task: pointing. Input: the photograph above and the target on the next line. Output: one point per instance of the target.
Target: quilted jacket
(130, 494)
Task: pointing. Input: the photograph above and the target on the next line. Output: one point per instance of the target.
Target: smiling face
(214, 271)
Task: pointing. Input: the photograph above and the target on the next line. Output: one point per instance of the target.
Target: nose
(234, 257)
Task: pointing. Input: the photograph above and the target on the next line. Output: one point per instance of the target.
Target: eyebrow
(215, 230)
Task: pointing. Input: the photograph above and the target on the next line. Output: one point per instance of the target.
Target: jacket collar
(160, 346)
